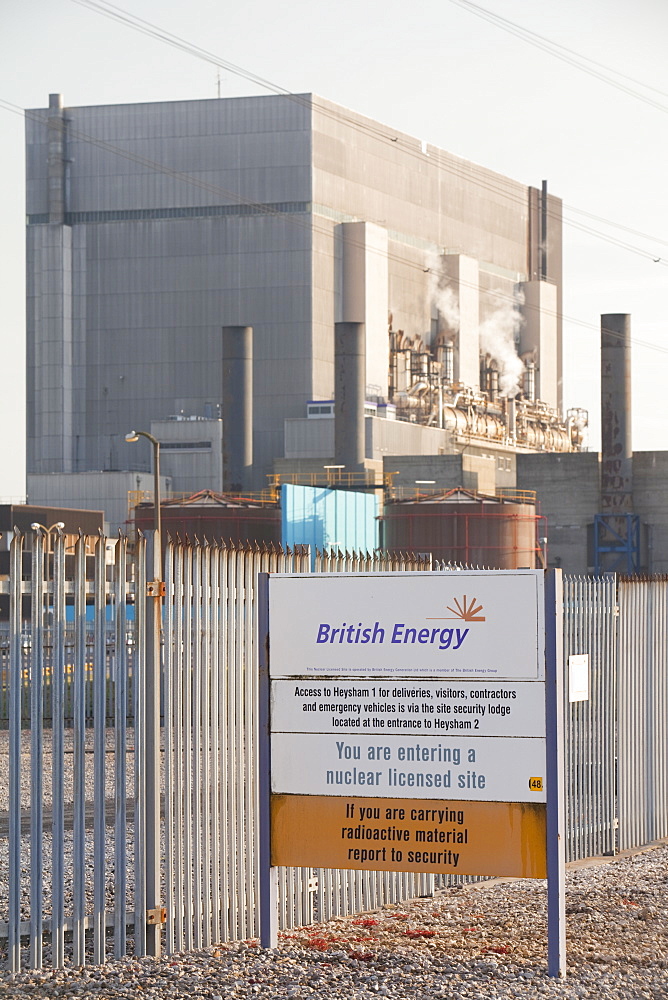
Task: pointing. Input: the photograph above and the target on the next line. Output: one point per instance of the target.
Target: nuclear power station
(277, 287)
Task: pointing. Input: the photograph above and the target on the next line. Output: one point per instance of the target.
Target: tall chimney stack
(350, 392)
(616, 449)
(237, 407)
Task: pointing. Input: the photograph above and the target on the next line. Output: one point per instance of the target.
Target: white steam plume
(497, 338)
(441, 294)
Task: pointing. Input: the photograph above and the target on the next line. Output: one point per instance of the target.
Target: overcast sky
(436, 71)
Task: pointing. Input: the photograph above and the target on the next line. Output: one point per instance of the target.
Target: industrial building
(283, 291)
(153, 227)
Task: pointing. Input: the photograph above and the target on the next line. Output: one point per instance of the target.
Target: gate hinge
(156, 588)
(158, 915)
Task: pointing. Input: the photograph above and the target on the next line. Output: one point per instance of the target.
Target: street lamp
(134, 436)
(58, 526)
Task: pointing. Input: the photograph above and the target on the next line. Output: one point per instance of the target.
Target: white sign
(483, 769)
(480, 626)
(578, 677)
(435, 708)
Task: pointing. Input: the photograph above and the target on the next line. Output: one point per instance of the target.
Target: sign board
(408, 687)
(578, 677)
(408, 625)
(407, 719)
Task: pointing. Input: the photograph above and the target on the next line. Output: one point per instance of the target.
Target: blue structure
(325, 518)
(616, 543)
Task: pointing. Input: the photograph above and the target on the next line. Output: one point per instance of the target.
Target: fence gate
(72, 687)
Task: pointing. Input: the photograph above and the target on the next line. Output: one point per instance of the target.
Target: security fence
(88, 839)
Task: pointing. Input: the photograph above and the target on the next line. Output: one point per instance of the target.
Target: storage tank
(216, 518)
(465, 527)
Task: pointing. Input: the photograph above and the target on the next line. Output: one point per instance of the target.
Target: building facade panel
(184, 217)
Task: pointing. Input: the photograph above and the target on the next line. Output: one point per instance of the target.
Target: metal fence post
(14, 930)
(154, 595)
(556, 829)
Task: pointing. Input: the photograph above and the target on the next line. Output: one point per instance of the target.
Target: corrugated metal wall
(326, 518)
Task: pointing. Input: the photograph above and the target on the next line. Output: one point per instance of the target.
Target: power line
(448, 162)
(584, 63)
(616, 225)
(208, 187)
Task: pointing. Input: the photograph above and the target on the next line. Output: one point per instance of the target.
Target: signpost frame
(554, 774)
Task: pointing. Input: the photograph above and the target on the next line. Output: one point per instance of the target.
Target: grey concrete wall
(314, 438)
(191, 453)
(160, 276)
(650, 489)
(539, 335)
(427, 474)
(568, 493)
(485, 471)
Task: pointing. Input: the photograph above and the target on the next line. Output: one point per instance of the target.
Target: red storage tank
(216, 518)
(465, 527)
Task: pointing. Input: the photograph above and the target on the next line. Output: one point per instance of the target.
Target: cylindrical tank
(460, 527)
(216, 519)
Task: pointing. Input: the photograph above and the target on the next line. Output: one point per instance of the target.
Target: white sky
(433, 70)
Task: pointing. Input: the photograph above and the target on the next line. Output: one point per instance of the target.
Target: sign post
(556, 822)
(268, 874)
(411, 722)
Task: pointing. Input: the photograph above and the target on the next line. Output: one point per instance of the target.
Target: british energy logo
(465, 610)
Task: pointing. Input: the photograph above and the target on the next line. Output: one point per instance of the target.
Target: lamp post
(154, 916)
(134, 436)
(58, 526)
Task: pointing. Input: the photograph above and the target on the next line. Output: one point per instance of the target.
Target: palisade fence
(75, 702)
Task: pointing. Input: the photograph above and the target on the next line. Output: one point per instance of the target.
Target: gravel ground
(475, 942)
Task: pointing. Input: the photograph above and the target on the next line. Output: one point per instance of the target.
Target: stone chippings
(476, 942)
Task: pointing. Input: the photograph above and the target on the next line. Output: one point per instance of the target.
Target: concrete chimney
(350, 392)
(237, 408)
(616, 449)
(56, 160)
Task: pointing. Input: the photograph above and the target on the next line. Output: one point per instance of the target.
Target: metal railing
(76, 817)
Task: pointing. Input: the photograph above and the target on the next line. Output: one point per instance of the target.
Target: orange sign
(410, 835)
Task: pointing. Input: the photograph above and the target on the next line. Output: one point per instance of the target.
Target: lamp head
(132, 436)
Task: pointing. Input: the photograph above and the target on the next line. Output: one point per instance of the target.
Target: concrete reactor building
(154, 228)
